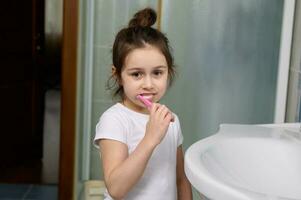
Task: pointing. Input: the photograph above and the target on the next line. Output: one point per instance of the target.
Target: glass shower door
(227, 60)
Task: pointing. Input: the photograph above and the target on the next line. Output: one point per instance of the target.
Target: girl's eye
(158, 73)
(136, 74)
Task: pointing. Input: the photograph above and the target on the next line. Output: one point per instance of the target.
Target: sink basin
(247, 162)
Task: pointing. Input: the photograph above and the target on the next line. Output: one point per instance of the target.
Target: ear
(114, 74)
(113, 70)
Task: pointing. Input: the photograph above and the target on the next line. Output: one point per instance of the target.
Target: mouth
(148, 96)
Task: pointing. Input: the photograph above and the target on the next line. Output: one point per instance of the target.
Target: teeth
(148, 96)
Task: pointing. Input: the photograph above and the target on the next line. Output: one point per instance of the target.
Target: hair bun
(144, 18)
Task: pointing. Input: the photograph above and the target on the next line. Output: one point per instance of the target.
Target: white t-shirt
(127, 126)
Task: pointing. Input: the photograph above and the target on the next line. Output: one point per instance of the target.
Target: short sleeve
(110, 126)
(179, 131)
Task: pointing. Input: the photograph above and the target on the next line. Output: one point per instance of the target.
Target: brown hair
(138, 34)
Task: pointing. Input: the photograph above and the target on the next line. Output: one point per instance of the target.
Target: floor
(23, 182)
(28, 172)
(27, 192)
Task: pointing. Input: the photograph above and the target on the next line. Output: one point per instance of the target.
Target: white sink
(247, 162)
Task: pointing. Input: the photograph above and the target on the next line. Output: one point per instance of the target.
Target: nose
(148, 82)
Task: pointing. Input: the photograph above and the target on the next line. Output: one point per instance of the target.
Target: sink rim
(210, 184)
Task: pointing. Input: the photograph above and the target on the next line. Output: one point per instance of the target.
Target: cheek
(164, 88)
(166, 81)
(163, 85)
(129, 86)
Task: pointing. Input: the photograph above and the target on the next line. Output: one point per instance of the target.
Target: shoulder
(113, 119)
(113, 109)
(112, 125)
(115, 112)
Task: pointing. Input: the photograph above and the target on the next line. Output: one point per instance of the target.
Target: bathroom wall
(53, 44)
(51, 85)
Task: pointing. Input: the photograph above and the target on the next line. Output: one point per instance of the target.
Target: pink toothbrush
(146, 102)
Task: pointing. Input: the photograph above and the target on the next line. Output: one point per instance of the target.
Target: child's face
(146, 73)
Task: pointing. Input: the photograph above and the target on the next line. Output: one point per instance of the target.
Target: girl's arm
(183, 185)
(123, 171)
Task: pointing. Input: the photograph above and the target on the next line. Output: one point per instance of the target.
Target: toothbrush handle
(146, 102)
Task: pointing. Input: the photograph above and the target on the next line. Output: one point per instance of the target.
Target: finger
(171, 115)
(162, 111)
(172, 118)
(168, 118)
(165, 110)
(154, 108)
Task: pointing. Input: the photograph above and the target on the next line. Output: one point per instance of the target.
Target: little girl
(140, 139)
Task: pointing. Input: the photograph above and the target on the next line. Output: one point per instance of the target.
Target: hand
(159, 120)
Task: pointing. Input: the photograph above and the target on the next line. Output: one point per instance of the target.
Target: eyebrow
(155, 68)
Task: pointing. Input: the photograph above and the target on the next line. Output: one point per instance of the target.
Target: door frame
(66, 184)
(284, 60)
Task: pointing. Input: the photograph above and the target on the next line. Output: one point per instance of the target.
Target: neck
(134, 107)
